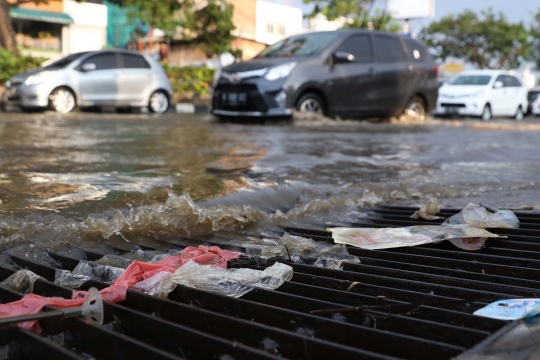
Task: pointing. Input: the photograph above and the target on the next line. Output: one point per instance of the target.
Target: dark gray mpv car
(346, 73)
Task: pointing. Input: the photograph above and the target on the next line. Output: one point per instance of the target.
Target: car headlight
(280, 71)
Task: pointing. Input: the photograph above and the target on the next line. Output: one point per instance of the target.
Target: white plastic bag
(428, 211)
(462, 236)
(480, 217)
(229, 282)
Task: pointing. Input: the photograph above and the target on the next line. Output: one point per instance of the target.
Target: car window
(417, 51)
(533, 95)
(359, 46)
(508, 81)
(133, 61)
(514, 81)
(388, 49)
(473, 80)
(103, 61)
(301, 45)
(66, 60)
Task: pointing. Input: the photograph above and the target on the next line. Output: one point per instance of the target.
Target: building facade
(59, 27)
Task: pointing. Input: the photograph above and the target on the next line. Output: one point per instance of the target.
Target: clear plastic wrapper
(482, 217)
(68, 279)
(147, 286)
(114, 261)
(428, 211)
(22, 281)
(166, 255)
(98, 272)
(462, 236)
(142, 255)
(229, 282)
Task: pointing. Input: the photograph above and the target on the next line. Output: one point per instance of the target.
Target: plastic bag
(114, 261)
(147, 286)
(428, 211)
(229, 282)
(68, 279)
(462, 236)
(510, 309)
(98, 272)
(136, 272)
(481, 217)
(22, 281)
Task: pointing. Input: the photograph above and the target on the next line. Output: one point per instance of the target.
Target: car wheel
(311, 103)
(159, 102)
(519, 114)
(416, 108)
(62, 100)
(486, 114)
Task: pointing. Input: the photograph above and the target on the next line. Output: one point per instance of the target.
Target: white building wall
(276, 22)
(89, 30)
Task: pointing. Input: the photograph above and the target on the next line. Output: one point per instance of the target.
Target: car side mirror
(498, 85)
(89, 67)
(342, 57)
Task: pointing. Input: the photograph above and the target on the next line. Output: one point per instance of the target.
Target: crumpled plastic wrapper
(482, 217)
(114, 261)
(302, 251)
(22, 281)
(428, 211)
(85, 271)
(462, 236)
(229, 282)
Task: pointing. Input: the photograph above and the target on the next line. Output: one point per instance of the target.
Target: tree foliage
(359, 13)
(487, 40)
(535, 40)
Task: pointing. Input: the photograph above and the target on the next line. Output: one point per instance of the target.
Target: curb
(190, 108)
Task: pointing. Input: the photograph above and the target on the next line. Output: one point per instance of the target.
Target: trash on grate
(462, 236)
(229, 282)
(428, 211)
(22, 281)
(85, 271)
(484, 217)
(68, 279)
(302, 251)
(510, 309)
(136, 272)
(114, 260)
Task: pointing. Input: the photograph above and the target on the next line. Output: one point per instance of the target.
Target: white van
(483, 93)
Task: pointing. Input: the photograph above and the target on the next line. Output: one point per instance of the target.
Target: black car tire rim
(311, 105)
(486, 114)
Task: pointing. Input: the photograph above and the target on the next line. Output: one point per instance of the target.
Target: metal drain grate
(415, 303)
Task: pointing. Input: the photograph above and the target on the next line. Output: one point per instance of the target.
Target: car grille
(255, 101)
(453, 105)
(410, 303)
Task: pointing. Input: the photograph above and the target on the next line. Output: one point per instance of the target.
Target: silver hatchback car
(121, 79)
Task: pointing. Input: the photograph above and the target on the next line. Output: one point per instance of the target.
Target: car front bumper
(460, 107)
(27, 95)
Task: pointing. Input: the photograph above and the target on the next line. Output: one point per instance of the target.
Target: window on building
(359, 46)
(388, 49)
(270, 28)
(281, 29)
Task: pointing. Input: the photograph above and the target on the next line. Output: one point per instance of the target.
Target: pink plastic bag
(136, 272)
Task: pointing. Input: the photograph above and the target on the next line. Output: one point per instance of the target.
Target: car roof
(486, 72)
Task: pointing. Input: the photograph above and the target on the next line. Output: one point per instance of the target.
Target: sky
(515, 10)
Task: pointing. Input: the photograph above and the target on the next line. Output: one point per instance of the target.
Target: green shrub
(11, 65)
(190, 79)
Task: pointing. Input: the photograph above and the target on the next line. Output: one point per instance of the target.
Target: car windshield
(302, 45)
(65, 61)
(533, 95)
(477, 80)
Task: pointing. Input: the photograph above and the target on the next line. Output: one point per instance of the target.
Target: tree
(488, 41)
(210, 27)
(535, 40)
(358, 13)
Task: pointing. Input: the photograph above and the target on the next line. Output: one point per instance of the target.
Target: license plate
(234, 99)
(452, 109)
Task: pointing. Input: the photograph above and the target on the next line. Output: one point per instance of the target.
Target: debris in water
(483, 217)
(428, 211)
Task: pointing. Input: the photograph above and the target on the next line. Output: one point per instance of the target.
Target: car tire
(416, 107)
(519, 114)
(62, 100)
(311, 102)
(486, 113)
(159, 102)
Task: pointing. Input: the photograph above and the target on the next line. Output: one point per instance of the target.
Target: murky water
(101, 179)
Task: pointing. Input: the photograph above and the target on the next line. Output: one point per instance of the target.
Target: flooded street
(93, 180)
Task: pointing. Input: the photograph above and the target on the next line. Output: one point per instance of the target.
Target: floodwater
(98, 180)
